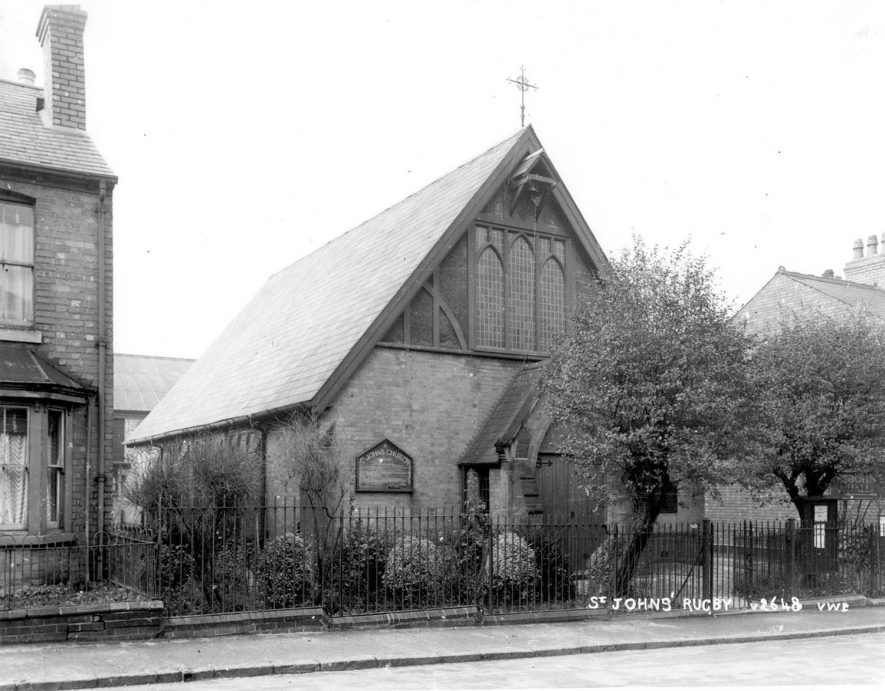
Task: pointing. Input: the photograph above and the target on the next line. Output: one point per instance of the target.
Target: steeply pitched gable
(312, 324)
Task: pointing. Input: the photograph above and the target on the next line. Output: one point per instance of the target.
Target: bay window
(13, 467)
(33, 459)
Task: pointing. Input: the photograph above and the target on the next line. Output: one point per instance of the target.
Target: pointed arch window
(521, 297)
(521, 289)
(490, 292)
(551, 303)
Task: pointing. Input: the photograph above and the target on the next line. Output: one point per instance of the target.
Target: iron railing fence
(202, 560)
(121, 564)
(279, 556)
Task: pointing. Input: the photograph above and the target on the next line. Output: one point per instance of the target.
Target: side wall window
(33, 461)
(55, 469)
(16, 263)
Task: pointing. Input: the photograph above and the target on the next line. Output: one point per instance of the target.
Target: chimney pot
(829, 273)
(26, 76)
(858, 248)
(872, 245)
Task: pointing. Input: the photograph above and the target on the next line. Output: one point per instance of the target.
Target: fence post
(613, 583)
(873, 590)
(790, 537)
(707, 551)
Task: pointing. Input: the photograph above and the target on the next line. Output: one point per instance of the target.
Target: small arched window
(490, 300)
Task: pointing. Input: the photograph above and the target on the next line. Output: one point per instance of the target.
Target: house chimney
(872, 246)
(60, 32)
(829, 273)
(26, 76)
(858, 248)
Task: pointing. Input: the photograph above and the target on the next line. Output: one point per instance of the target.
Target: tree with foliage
(649, 386)
(312, 459)
(819, 400)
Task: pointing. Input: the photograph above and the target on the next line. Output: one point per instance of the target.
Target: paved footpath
(85, 665)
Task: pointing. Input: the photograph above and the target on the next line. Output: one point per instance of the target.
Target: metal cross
(523, 86)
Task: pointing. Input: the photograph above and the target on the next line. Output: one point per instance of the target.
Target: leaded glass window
(490, 300)
(521, 298)
(551, 303)
(521, 291)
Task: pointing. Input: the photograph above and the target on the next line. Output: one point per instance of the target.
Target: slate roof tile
(506, 418)
(25, 140)
(858, 295)
(288, 340)
(140, 381)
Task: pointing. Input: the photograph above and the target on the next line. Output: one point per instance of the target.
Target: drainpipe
(88, 470)
(102, 358)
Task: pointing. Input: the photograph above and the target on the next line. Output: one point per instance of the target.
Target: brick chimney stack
(868, 269)
(60, 32)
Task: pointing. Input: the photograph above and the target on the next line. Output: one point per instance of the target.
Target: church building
(420, 334)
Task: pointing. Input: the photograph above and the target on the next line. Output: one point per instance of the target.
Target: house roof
(140, 381)
(311, 324)
(21, 369)
(26, 141)
(855, 295)
(789, 291)
(506, 418)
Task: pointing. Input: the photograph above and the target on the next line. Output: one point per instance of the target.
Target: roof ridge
(517, 135)
(14, 82)
(834, 281)
(155, 357)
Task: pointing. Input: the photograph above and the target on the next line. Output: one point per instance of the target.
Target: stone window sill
(20, 335)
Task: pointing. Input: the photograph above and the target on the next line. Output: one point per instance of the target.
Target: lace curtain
(13, 467)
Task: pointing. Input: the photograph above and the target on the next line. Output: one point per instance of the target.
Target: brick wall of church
(428, 404)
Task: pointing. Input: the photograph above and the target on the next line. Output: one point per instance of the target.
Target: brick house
(788, 295)
(417, 334)
(56, 375)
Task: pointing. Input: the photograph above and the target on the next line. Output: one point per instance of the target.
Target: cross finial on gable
(523, 85)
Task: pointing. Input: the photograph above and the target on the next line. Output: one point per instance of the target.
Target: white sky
(246, 135)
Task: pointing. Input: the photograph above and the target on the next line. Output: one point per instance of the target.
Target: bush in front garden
(284, 573)
(412, 572)
(356, 571)
(233, 577)
(514, 569)
(554, 583)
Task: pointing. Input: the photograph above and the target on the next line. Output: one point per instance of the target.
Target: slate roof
(140, 381)
(854, 295)
(788, 291)
(290, 338)
(21, 368)
(26, 141)
(508, 415)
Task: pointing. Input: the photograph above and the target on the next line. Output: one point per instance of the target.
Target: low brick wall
(446, 616)
(112, 621)
(300, 619)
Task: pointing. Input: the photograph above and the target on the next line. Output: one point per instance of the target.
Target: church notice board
(384, 468)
